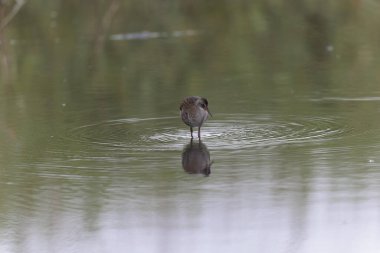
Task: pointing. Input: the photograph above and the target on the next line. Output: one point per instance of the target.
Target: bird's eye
(203, 105)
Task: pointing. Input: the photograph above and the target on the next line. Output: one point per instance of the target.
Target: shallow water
(94, 156)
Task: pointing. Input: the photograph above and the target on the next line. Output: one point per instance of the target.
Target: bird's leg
(191, 132)
(199, 132)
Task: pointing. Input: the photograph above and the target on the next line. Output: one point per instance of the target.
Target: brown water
(94, 156)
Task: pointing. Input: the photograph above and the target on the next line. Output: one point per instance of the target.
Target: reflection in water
(146, 35)
(196, 158)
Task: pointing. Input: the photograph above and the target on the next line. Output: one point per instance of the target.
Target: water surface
(94, 156)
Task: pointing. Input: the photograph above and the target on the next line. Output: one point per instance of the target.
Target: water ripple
(229, 132)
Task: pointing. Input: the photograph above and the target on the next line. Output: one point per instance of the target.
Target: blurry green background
(60, 52)
(59, 63)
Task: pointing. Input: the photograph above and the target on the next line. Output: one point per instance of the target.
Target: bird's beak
(208, 111)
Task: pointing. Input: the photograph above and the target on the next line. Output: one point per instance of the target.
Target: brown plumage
(194, 112)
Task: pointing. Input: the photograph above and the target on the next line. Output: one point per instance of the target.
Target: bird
(194, 112)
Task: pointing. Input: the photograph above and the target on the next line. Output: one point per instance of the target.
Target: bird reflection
(196, 158)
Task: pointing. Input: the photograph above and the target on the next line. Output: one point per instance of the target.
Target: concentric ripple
(229, 132)
(269, 131)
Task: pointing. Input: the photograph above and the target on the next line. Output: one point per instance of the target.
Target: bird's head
(203, 103)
